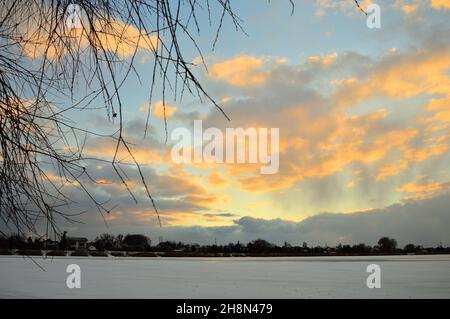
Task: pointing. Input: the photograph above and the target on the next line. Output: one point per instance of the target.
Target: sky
(364, 120)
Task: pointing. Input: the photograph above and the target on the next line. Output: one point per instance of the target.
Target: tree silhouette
(137, 241)
(104, 242)
(259, 246)
(64, 242)
(387, 244)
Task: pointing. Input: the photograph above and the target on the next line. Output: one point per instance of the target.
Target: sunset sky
(364, 119)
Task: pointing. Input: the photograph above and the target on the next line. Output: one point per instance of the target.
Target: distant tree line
(141, 243)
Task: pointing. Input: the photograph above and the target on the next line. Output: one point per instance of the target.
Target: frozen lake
(293, 277)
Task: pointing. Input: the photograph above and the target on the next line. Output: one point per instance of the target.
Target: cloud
(106, 149)
(352, 113)
(217, 179)
(391, 169)
(410, 74)
(148, 150)
(440, 4)
(115, 37)
(347, 7)
(219, 217)
(324, 60)
(181, 197)
(160, 109)
(241, 71)
(409, 8)
(439, 116)
(423, 188)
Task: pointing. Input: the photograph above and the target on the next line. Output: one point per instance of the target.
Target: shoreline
(137, 255)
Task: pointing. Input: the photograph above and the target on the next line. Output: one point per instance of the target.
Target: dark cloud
(220, 215)
(423, 222)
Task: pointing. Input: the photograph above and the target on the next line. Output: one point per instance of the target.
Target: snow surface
(293, 277)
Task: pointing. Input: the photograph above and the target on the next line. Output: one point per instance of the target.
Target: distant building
(50, 244)
(77, 242)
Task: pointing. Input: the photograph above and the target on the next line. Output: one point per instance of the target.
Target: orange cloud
(159, 109)
(323, 139)
(324, 60)
(216, 179)
(115, 37)
(60, 180)
(408, 8)
(348, 92)
(438, 118)
(423, 188)
(434, 147)
(417, 155)
(410, 76)
(333, 142)
(106, 149)
(241, 71)
(122, 38)
(440, 4)
(173, 218)
(347, 7)
(388, 170)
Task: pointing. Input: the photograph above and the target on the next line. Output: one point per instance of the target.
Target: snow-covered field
(295, 277)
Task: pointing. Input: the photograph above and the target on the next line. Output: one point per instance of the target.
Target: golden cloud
(410, 76)
(159, 109)
(324, 60)
(241, 71)
(408, 8)
(320, 146)
(440, 4)
(217, 179)
(423, 189)
(115, 37)
(106, 149)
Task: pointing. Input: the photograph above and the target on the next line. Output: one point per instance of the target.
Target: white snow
(294, 277)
